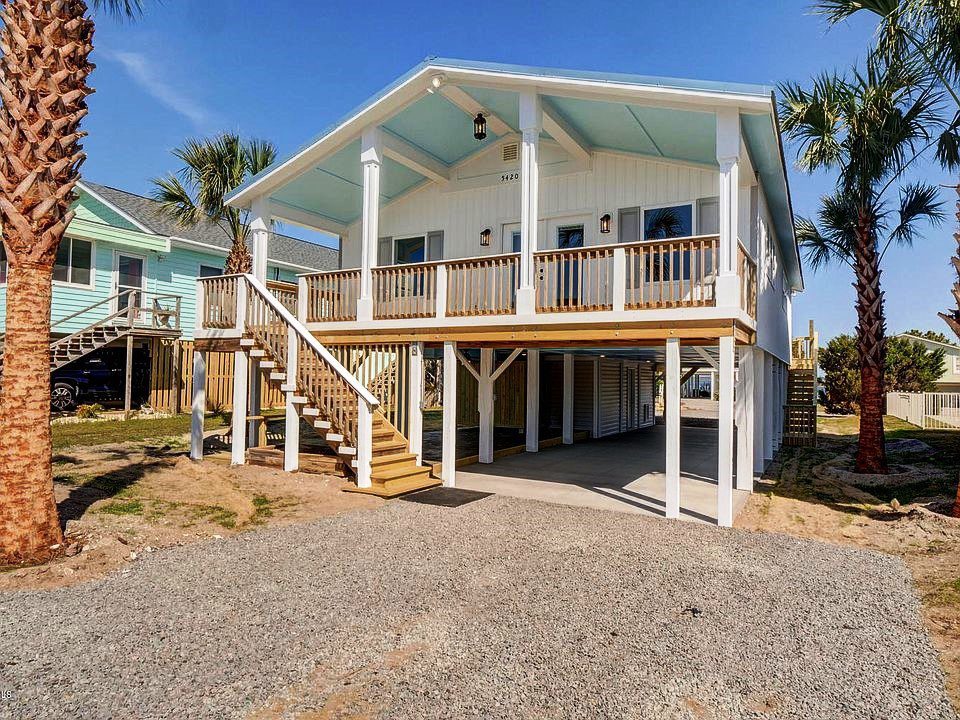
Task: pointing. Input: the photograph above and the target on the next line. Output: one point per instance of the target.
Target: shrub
(89, 412)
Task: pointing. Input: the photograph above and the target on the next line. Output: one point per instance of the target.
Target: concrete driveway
(624, 472)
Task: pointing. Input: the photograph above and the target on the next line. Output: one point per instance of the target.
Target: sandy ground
(120, 501)
(791, 499)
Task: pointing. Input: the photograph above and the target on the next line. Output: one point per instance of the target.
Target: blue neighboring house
(121, 242)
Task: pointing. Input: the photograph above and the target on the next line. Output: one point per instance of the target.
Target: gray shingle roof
(147, 212)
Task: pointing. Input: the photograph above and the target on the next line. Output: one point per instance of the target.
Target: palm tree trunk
(44, 65)
(29, 526)
(239, 259)
(871, 348)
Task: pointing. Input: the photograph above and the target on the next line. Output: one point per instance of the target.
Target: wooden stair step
(398, 488)
(389, 448)
(386, 460)
(392, 473)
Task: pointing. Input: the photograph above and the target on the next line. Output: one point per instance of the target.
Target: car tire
(63, 397)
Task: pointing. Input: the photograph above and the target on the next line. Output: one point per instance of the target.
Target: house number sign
(509, 177)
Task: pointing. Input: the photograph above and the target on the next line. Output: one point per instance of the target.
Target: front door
(129, 279)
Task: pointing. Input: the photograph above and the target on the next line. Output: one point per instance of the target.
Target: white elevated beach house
(564, 241)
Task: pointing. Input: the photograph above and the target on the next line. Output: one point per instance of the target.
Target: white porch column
(371, 157)
(671, 392)
(485, 405)
(259, 237)
(198, 407)
(415, 400)
(291, 435)
(759, 409)
(364, 444)
(725, 435)
(533, 399)
(531, 123)
(567, 423)
(449, 474)
(241, 372)
(728, 155)
(744, 413)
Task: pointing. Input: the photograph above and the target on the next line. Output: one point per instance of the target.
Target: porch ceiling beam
(505, 364)
(708, 358)
(305, 218)
(409, 155)
(565, 134)
(467, 364)
(463, 100)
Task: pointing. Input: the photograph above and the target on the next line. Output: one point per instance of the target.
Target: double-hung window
(209, 271)
(74, 262)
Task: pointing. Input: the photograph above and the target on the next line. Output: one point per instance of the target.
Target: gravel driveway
(500, 608)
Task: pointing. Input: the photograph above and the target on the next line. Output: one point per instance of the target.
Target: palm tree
(212, 167)
(44, 69)
(930, 31)
(867, 128)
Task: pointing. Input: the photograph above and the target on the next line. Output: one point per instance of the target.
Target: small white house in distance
(564, 241)
(949, 382)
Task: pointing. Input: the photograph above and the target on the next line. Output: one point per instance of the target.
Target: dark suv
(99, 378)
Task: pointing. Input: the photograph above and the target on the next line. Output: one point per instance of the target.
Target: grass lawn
(433, 420)
(107, 432)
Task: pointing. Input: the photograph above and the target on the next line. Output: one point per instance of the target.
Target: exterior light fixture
(485, 237)
(480, 127)
(605, 223)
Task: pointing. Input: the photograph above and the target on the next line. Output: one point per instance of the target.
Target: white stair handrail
(314, 344)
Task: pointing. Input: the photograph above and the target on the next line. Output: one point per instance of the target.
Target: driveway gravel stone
(500, 608)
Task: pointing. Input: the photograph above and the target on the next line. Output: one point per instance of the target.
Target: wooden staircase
(800, 409)
(323, 398)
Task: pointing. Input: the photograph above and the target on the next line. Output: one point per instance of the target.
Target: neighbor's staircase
(104, 331)
(800, 410)
(324, 393)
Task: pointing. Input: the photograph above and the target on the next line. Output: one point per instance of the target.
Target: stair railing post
(441, 299)
(291, 439)
(619, 279)
(364, 443)
(241, 370)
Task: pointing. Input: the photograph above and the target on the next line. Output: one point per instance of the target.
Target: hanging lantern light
(480, 127)
(605, 223)
(485, 237)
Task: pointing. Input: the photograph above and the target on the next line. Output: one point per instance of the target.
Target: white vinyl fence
(930, 411)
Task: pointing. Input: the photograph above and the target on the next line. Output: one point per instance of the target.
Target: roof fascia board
(217, 250)
(89, 230)
(345, 132)
(122, 213)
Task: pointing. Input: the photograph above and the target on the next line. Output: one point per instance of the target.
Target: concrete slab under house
(540, 252)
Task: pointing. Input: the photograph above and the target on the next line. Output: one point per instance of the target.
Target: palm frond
(839, 10)
(918, 201)
(948, 146)
(175, 201)
(120, 9)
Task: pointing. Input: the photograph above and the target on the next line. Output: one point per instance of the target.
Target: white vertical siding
(583, 393)
(609, 392)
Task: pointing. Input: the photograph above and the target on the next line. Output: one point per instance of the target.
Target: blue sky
(285, 69)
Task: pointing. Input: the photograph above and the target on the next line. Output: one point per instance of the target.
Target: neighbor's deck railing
(673, 273)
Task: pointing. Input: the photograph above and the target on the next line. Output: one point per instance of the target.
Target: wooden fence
(171, 379)
(510, 397)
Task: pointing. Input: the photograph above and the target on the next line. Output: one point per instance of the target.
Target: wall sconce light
(485, 237)
(605, 223)
(480, 127)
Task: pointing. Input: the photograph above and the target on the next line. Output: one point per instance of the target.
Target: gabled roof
(145, 213)
(917, 338)
(663, 118)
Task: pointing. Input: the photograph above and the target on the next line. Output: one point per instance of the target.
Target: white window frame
(115, 278)
(694, 216)
(93, 266)
(956, 364)
(209, 265)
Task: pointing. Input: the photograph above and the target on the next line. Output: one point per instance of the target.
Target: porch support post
(128, 379)
(725, 435)
(364, 444)
(485, 405)
(533, 399)
(415, 401)
(260, 237)
(241, 369)
(531, 124)
(744, 418)
(671, 390)
(291, 436)
(567, 422)
(759, 362)
(254, 408)
(371, 156)
(198, 406)
(728, 156)
(769, 403)
(449, 473)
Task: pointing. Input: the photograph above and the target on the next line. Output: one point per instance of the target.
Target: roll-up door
(609, 396)
(647, 412)
(583, 393)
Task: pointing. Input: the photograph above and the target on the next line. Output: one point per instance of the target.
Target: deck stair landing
(325, 400)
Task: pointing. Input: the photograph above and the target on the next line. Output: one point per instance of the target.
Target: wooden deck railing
(579, 279)
(332, 296)
(483, 286)
(671, 273)
(405, 291)
(219, 301)
(747, 269)
(285, 292)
